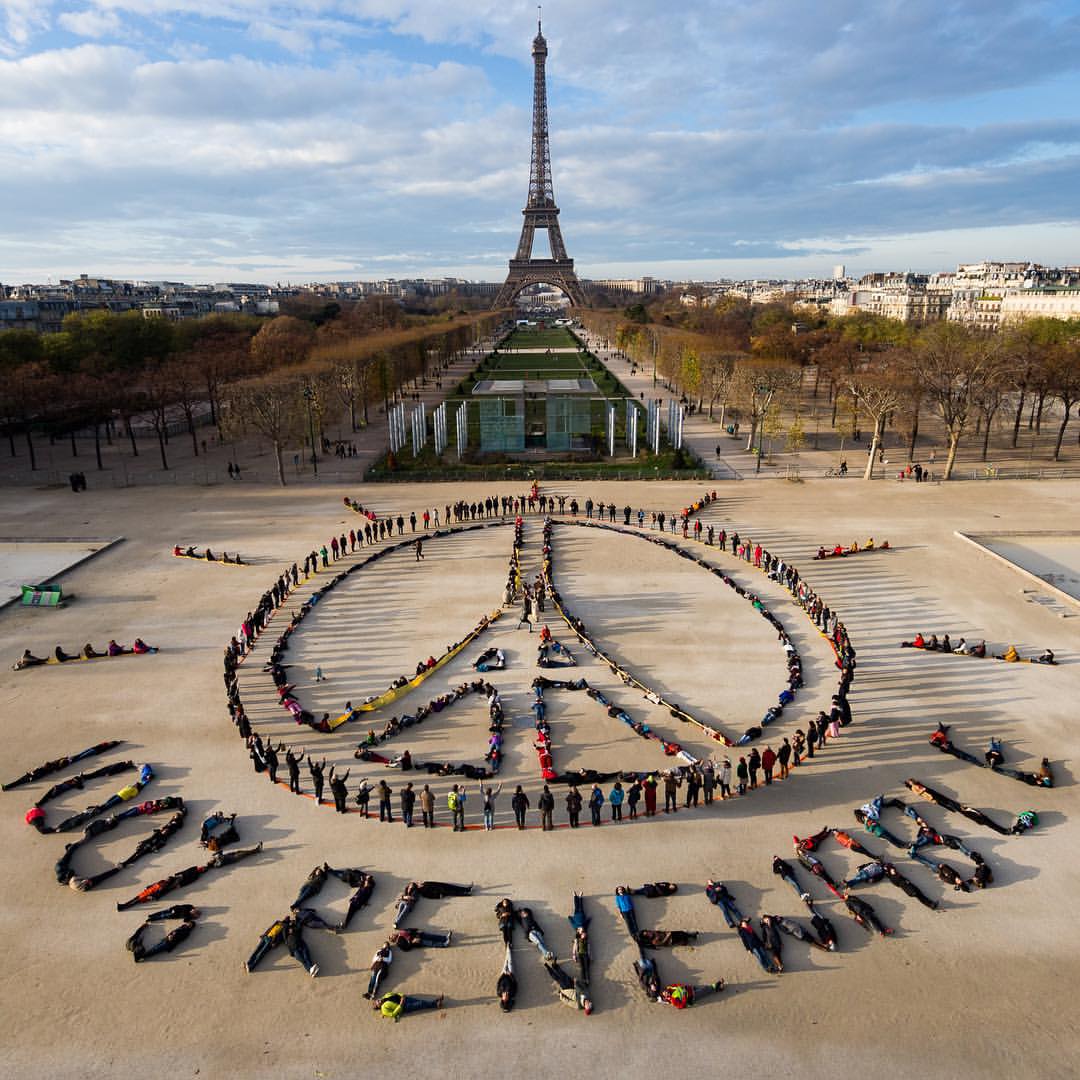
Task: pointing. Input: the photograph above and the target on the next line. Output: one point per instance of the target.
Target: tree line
(876, 372)
(267, 378)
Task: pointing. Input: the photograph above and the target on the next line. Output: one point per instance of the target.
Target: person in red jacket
(768, 763)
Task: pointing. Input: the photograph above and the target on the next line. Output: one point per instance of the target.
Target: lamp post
(309, 396)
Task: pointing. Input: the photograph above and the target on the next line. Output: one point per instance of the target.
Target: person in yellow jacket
(395, 1006)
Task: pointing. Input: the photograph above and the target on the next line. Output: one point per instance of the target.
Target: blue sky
(326, 139)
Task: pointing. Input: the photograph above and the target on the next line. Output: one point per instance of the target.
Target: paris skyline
(179, 139)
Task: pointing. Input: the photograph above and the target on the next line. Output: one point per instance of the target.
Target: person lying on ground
(865, 915)
(756, 948)
(365, 885)
(577, 919)
(395, 1006)
(817, 868)
(664, 939)
(28, 659)
(624, 903)
(506, 987)
(269, 939)
(411, 938)
(795, 930)
(570, 991)
(812, 843)
(786, 872)
(653, 889)
(866, 874)
(504, 913)
(380, 965)
(581, 954)
(297, 946)
(311, 887)
(534, 933)
(770, 939)
(908, 887)
(213, 840)
(186, 876)
(171, 940)
(824, 929)
(648, 977)
(717, 893)
(683, 995)
(849, 841)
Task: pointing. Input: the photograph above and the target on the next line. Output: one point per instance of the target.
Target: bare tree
(877, 388)
(953, 366)
(1063, 378)
(759, 383)
(269, 407)
(717, 372)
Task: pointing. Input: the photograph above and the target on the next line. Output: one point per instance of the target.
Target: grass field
(541, 339)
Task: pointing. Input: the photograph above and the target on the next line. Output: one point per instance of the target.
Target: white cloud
(90, 23)
(295, 132)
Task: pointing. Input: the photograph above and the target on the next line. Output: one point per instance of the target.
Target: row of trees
(108, 372)
(875, 371)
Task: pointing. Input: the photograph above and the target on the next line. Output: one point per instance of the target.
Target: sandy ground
(980, 988)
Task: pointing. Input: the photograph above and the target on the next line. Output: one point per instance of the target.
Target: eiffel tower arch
(540, 211)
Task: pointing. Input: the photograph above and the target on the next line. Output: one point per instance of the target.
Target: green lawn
(560, 338)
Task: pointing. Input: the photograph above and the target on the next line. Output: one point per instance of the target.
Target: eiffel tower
(540, 210)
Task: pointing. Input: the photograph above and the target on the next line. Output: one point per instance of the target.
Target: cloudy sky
(210, 140)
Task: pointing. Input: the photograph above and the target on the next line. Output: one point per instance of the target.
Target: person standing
(725, 779)
(408, 802)
(427, 807)
(363, 797)
(488, 797)
(783, 756)
(742, 774)
(615, 797)
(455, 802)
(633, 797)
(271, 762)
(693, 786)
(649, 785)
(419, 545)
(520, 804)
(596, 801)
(547, 809)
(292, 763)
(573, 807)
(768, 763)
(338, 789)
(752, 767)
(316, 770)
(386, 810)
(671, 792)
(708, 781)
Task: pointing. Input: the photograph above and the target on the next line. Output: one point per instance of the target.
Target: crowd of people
(993, 758)
(701, 778)
(87, 652)
(963, 647)
(208, 556)
(838, 551)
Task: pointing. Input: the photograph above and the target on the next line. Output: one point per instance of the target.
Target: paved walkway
(699, 433)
